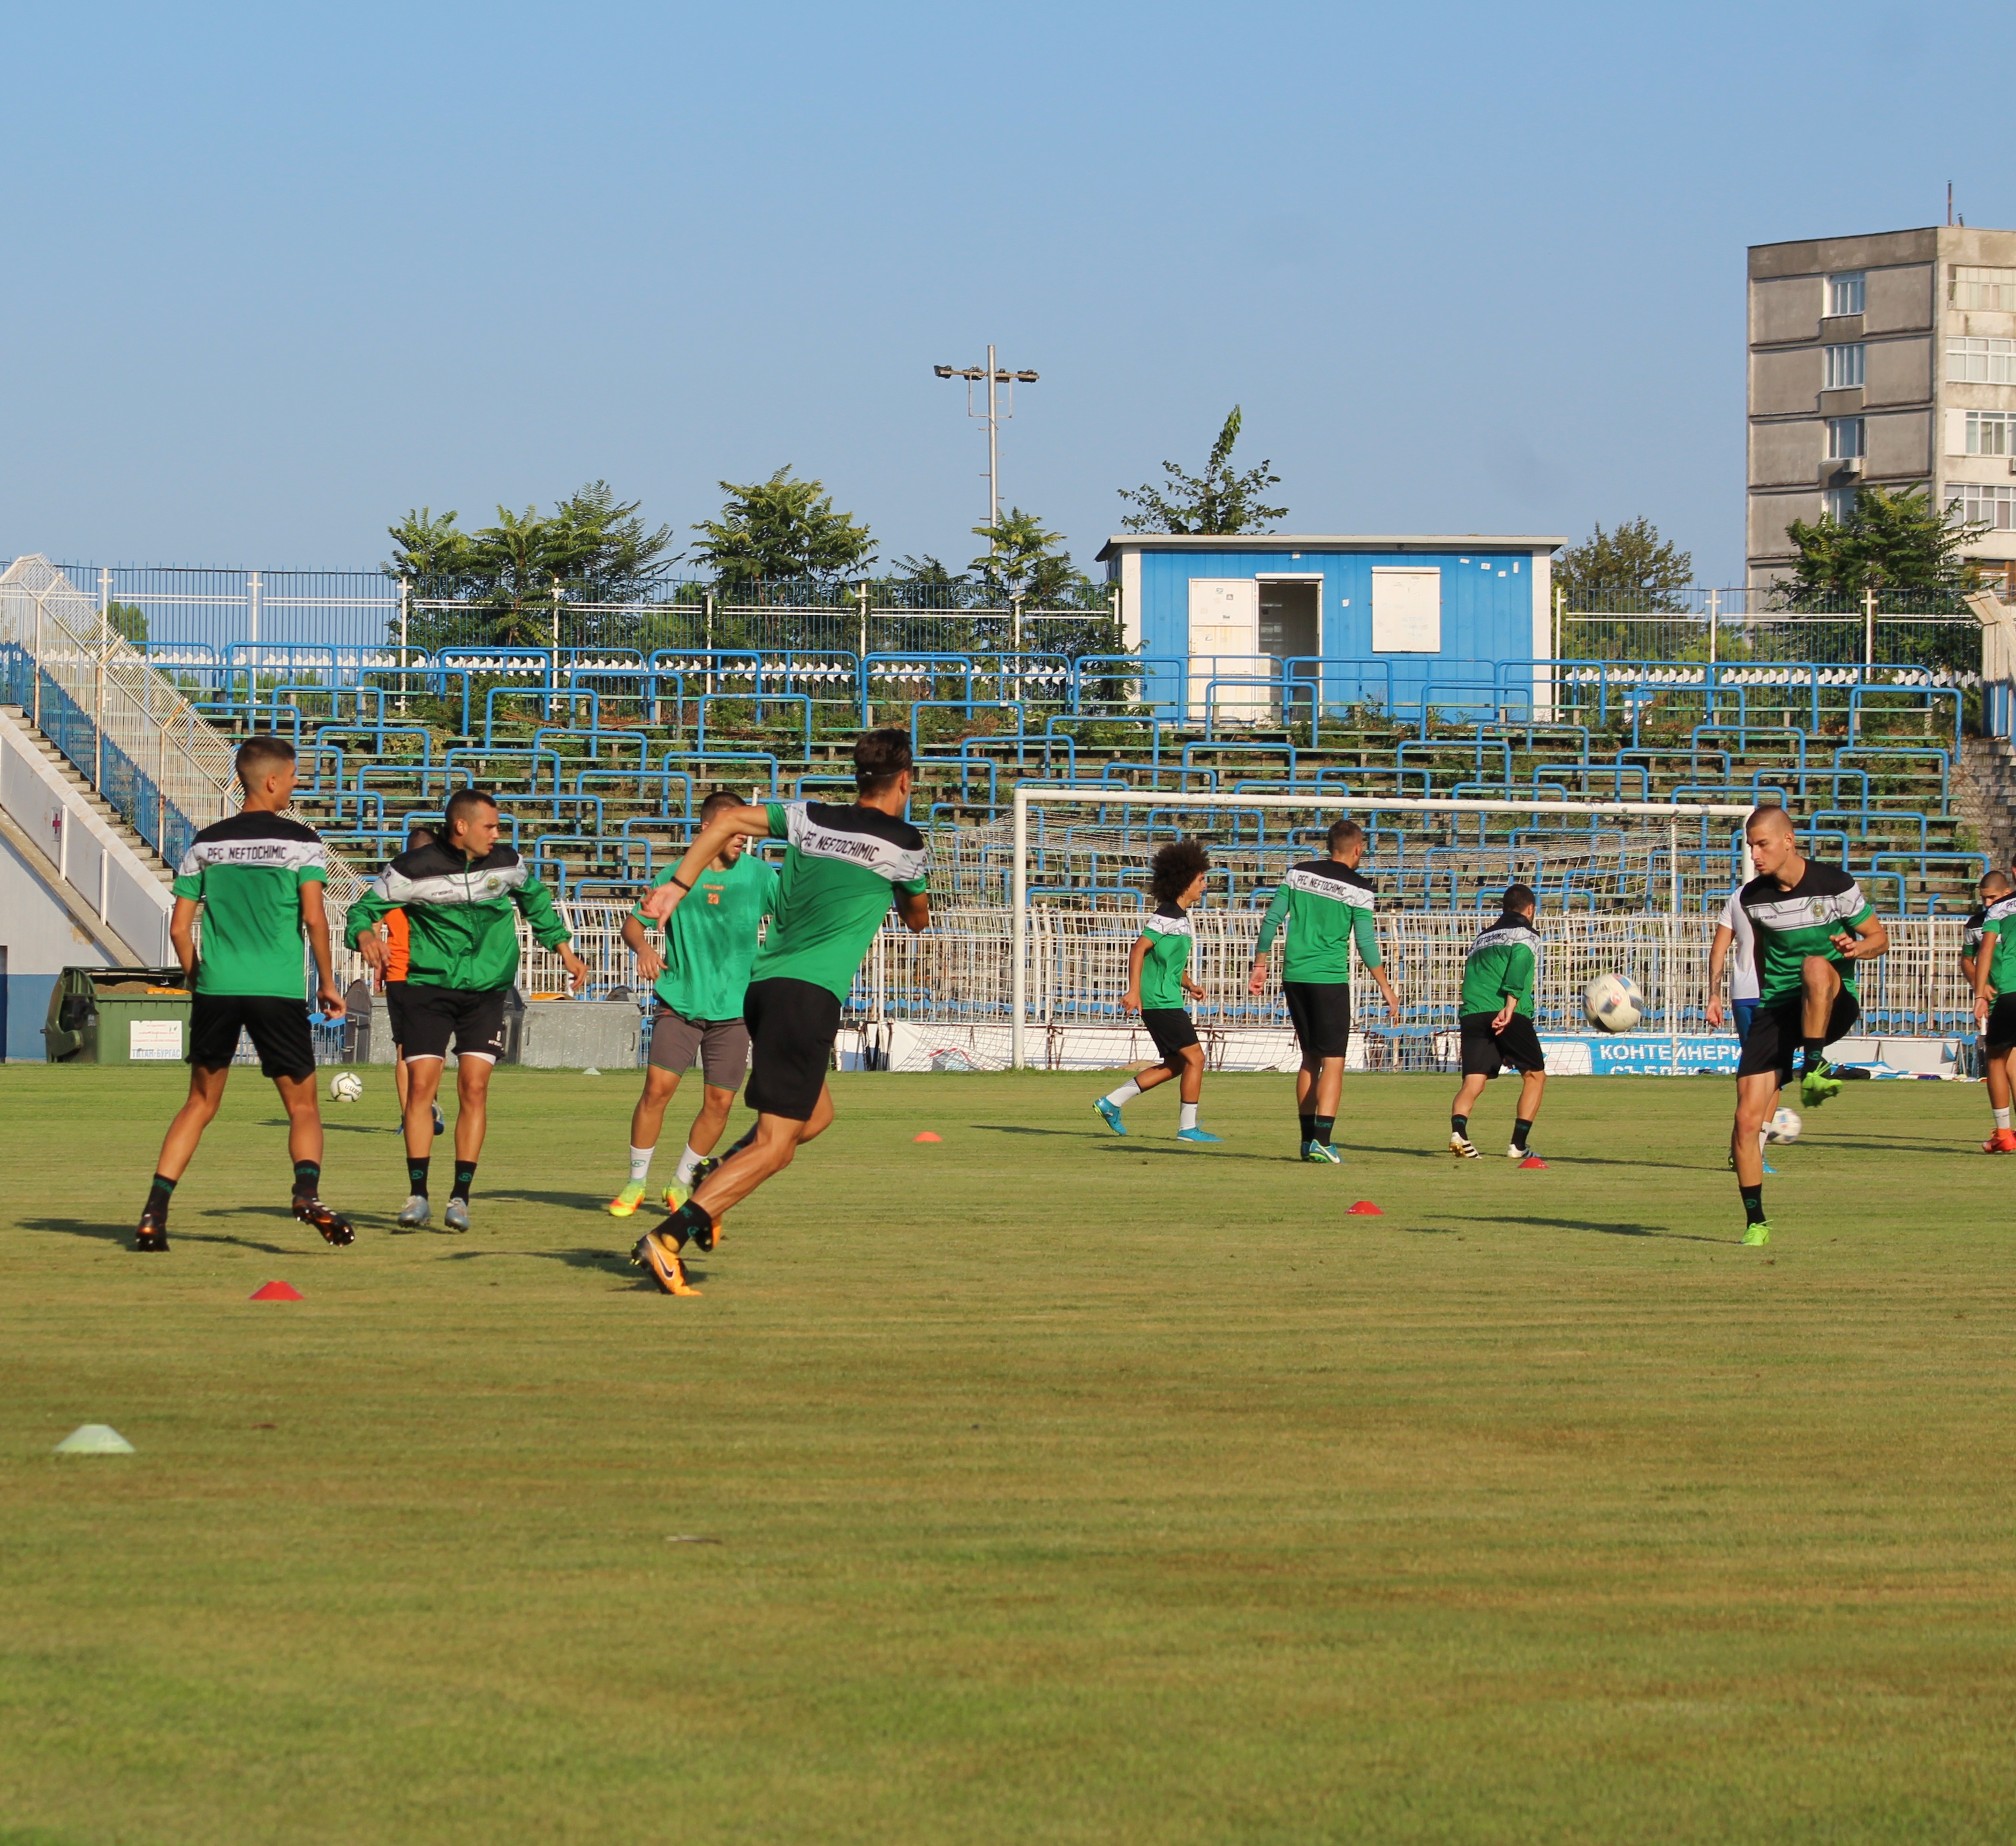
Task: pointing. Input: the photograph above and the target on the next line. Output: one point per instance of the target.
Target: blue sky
(276, 274)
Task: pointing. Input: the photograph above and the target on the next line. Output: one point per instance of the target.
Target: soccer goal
(1624, 874)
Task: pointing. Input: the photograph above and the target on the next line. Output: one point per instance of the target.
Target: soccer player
(1157, 979)
(1734, 944)
(1812, 925)
(1994, 978)
(844, 868)
(701, 979)
(460, 895)
(397, 954)
(1328, 907)
(1496, 1013)
(257, 879)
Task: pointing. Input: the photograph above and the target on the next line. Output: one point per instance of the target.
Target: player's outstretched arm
(706, 848)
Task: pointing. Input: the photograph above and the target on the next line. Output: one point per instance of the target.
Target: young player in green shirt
(1328, 909)
(256, 880)
(1991, 974)
(1496, 1013)
(1812, 925)
(701, 980)
(844, 869)
(1157, 979)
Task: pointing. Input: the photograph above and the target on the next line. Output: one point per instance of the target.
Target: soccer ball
(346, 1086)
(1783, 1127)
(1613, 1003)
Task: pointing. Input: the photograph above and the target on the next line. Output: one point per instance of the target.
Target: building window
(1845, 293)
(1994, 289)
(1981, 361)
(1838, 504)
(1845, 438)
(1994, 507)
(1844, 366)
(1990, 433)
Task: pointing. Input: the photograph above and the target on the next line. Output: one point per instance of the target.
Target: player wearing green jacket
(463, 896)
(1327, 907)
(701, 980)
(1496, 1013)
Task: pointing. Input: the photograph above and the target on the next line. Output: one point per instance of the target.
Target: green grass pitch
(1033, 1486)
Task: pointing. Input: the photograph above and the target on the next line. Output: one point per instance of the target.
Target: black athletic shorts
(1321, 1010)
(474, 1017)
(1485, 1051)
(395, 1009)
(1776, 1033)
(1170, 1027)
(279, 1029)
(1999, 1034)
(792, 1025)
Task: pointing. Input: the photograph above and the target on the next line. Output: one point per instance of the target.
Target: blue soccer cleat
(1197, 1135)
(1321, 1154)
(1109, 1113)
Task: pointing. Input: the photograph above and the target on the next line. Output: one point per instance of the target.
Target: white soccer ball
(1783, 1127)
(346, 1086)
(1613, 1003)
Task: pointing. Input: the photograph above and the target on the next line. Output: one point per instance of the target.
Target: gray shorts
(719, 1046)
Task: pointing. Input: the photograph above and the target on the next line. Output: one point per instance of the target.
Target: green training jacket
(461, 929)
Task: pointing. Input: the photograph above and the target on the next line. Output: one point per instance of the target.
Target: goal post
(1365, 807)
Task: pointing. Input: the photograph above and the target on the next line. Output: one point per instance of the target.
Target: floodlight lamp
(943, 371)
(1026, 377)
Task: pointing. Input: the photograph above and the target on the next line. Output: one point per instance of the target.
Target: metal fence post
(1713, 613)
(252, 604)
(405, 605)
(1868, 627)
(706, 635)
(862, 594)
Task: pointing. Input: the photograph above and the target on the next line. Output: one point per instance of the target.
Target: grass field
(1048, 1487)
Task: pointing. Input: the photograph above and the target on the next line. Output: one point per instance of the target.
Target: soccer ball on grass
(1613, 1003)
(346, 1086)
(1784, 1127)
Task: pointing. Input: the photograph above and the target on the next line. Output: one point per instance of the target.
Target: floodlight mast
(994, 375)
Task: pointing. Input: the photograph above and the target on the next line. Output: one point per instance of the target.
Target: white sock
(1125, 1094)
(640, 1164)
(1186, 1116)
(688, 1161)
(2001, 1118)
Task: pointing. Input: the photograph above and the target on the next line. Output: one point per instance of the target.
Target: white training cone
(94, 1438)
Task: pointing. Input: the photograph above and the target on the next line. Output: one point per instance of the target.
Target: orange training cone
(277, 1291)
(1533, 1161)
(1365, 1208)
(927, 1136)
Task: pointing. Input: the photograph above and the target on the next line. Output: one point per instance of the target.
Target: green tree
(1629, 570)
(780, 530)
(517, 564)
(925, 583)
(429, 552)
(1896, 544)
(129, 621)
(1218, 500)
(600, 547)
(1025, 562)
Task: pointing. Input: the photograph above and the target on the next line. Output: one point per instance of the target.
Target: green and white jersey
(710, 939)
(1998, 937)
(1168, 935)
(247, 873)
(843, 869)
(1970, 935)
(1327, 907)
(462, 929)
(1791, 925)
(1503, 964)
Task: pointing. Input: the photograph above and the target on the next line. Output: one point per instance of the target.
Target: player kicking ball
(1328, 907)
(1157, 980)
(257, 880)
(844, 869)
(1811, 924)
(1995, 1002)
(701, 979)
(1495, 1012)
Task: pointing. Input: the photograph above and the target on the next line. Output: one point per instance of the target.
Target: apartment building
(1886, 361)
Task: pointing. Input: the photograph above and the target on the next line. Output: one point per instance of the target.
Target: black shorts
(1999, 1034)
(792, 1025)
(474, 1017)
(1321, 1010)
(395, 1009)
(1485, 1052)
(1170, 1027)
(1776, 1032)
(279, 1029)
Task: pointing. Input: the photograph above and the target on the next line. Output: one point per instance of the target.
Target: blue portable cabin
(1252, 628)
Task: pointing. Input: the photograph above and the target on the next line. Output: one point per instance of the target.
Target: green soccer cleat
(625, 1203)
(1320, 1153)
(1109, 1113)
(676, 1195)
(1816, 1087)
(1756, 1235)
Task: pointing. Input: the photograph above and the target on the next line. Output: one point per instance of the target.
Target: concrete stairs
(68, 770)
(1986, 795)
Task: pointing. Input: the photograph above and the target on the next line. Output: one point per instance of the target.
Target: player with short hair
(1496, 1014)
(701, 980)
(844, 869)
(1812, 924)
(1157, 979)
(1994, 978)
(257, 880)
(462, 896)
(1328, 905)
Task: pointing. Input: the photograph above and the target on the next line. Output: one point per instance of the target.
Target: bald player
(1812, 925)
(1994, 980)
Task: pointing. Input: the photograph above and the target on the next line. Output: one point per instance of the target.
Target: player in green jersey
(1496, 1014)
(257, 880)
(844, 869)
(1812, 925)
(1995, 1002)
(1328, 909)
(701, 980)
(1157, 979)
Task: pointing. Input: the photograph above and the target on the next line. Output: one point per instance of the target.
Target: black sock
(1308, 1127)
(1459, 1124)
(1753, 1204)
(1816, 1050)
(465, 1176)
(745, 1141)
(692, 1221)
(1325, 1126)
(1521, 1129)
(308, 1178)
(157, 1196)
(416, 1175)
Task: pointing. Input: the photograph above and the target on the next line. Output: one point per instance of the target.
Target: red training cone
(927, 1136)
(1365, 1208)
(277, 1291)
(1532, 1161)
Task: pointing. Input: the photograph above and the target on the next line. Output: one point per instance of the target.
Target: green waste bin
(117, 1016)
